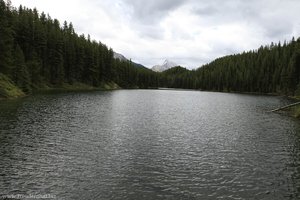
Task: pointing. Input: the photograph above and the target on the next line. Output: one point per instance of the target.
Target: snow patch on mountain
(165, 66)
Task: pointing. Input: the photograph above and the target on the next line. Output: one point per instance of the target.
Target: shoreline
(229, 92)
(11, 92)
(81, 87)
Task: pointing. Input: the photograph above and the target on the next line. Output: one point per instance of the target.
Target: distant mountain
(123, 58)
(165, 66)
(119, 56)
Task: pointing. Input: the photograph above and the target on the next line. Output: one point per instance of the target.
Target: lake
(149, 144)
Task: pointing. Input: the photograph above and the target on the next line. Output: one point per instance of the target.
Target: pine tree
(21, 76)
(6, 40)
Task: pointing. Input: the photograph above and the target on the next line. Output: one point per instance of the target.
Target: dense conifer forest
(37, 51)
(273, 69)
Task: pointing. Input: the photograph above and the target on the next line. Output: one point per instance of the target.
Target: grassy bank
(77, 87)
(8, 90)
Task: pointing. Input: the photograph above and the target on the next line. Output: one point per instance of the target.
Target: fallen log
(284, 107)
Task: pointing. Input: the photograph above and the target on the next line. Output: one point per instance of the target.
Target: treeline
(37, 51)
(270, 69)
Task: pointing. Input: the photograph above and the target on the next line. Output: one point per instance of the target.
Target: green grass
(109, 86)
(8, 90)
(82, 87)
(76, 87)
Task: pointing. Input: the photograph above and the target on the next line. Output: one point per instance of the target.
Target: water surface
(149, 144)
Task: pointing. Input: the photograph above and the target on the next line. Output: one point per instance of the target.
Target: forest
(38, 52)
(271, 69)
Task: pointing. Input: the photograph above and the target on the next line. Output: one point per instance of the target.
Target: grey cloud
(269, 16)
(205, 10)
(151, 11)
(266, 20)
(260, 22)
(149, 31)
(276, 29)
(219, 12)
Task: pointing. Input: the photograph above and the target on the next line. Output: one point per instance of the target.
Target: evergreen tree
(21, 76)
(6, 39)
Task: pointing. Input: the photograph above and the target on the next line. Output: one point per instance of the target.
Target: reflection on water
(149, 144)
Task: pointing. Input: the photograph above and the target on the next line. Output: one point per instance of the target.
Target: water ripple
(150, 144)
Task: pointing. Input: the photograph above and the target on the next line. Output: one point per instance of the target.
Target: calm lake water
(149, 144)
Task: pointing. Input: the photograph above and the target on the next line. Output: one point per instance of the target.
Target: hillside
(38, 52)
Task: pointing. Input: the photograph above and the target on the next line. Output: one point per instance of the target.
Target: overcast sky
(188, 32)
